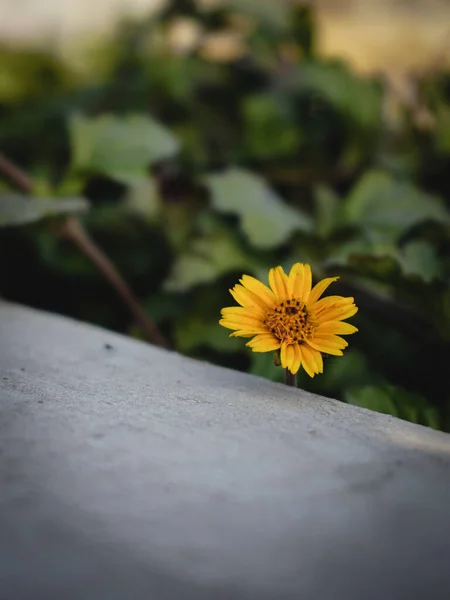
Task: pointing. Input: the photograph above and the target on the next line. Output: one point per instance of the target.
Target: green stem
(289, 378)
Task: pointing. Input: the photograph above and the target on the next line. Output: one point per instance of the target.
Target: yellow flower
(291, 317)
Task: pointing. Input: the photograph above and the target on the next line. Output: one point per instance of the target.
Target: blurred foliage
(205, 161)
(17, 209)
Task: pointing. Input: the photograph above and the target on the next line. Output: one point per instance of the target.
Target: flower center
(290, 321)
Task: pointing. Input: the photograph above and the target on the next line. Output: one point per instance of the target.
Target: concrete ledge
(129, 473)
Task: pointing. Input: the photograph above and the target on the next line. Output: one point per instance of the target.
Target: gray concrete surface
(130, 473)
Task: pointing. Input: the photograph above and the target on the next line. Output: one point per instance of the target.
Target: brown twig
(15, 174)
(73, 230)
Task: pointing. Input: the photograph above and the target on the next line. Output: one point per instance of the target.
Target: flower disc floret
(290, 321)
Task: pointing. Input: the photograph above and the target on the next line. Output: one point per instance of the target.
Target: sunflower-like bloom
(291, 318)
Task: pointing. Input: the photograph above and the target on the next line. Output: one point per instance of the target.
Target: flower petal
(328, 338)
(339, 313)
(336, 327)
(308, 361)
(319, 362)
(297, 361)
(319, 289)
(249, 299)
(323, 346)
(296, 281)
(242, 333)
(285, 355)
(237, 312)
(330, 302)
(299, 281)
(290, 357)
(248, 331)
(307, 283)
(264, 342)
(259, 289)
(279, 282)
(314, 358)
(240, 322)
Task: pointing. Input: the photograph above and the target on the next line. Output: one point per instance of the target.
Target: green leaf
(392, 400)
(416, 259)
(420, 259)
(380, 202)
(143, 199)
(367, 244)
(265, 219)
(269, 131)
(16, 209)
(373, 398)
(327, 210)
(357, 99)
(211, 254)
(120, 147)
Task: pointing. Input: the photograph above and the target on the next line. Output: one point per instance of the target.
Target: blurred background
(182, 143)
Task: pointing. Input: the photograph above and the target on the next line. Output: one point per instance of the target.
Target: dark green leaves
(121, 148)
(358, 99)
(327, 210)
(381, 203)
(265, 219)
(381, 210)
(395, 401)
(269, 130)
(419, 258)
(213, 252)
